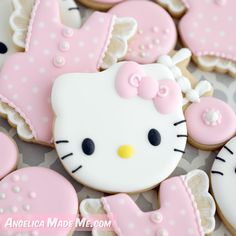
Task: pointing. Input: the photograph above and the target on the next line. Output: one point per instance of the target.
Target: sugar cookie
(186, 208)
(126, 119)
(39, 193)
(100, 4)
(223, 176)
(8, 155)
(52, 49)
(210, 123)
(156, 33)
(206, 29)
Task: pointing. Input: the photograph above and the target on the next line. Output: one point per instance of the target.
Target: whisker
(177, 150)
(182, 136)
(62, 141)
(73, 171)
(230, 151)
(217, 172)
(179, 122)
(73, 8)
(220, 159)
(68, 155)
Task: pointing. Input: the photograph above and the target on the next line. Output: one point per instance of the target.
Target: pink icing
(207, 28)
(52, 49)
(156, 33)
(208, 133)
(131, 81)
(8, 155)
(178, 214)
(38, 192)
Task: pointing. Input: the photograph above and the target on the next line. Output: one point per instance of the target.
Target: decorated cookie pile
(117, 101)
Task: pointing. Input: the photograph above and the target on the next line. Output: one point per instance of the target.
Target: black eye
(88, 146)
(154, 137)
(3, 48)
(235, 170)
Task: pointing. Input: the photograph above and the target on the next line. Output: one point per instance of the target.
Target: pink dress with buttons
(52, 49)
(178, 214)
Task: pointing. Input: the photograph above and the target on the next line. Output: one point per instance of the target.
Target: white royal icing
(223, 179)
(88, 106)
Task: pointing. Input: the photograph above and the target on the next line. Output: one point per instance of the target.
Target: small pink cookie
(37, 193)
(8, 155)
(210, 123)
(186, 208)
(208, 30)
(156, 30)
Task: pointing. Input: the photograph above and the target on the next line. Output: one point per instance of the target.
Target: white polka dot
(203, 41)
(41, 25)
(31, 60)
(16, 67)
(14, 209)
(216, 45)
(26, 207)
(16, 189)
(24, 79)
(230, 18)
(1, 211)
(131, 225)
(81, 44)
(42, 70)
(215, 18)
(35, 42)
(173, 187)
(167, 204)
(222, 33)
(208, 30)
(147, 232)
(231, 48)
(121, 201)
(77, 60)
(195, 24)
(46, 52)
(29, 108)
(53, 36)
(2, 195)
(5, 77)
(24, 178)
(9, 86)
(35, 90)
(55, 20)
(172, 223)
(15, 96)
(183, 212)
(163, 232)
(190, 231)
(95, 40)
(101, 20)
(45, 119)
(191, 35)
(200, 15)
(91, 55)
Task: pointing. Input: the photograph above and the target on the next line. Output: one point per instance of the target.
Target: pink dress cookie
(181, 211)
(8, 155)
(210, 123)
(156, 30)
(37, 193)
(53, 49)
(207, 29)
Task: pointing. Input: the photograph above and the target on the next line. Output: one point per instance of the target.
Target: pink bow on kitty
(132, 81)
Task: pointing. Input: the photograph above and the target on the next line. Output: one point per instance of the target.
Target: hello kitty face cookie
(52, 49)
(210, 123)
(100, 4)
(186, 208)
(206, 28)
(223, 178)
(119, 125)
(156, 33)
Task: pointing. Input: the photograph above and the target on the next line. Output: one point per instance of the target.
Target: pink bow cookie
(131, 81)
(53, 49)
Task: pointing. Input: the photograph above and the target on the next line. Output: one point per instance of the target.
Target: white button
(59, 61)
(68, 32)
(156, 217)
(64, 46)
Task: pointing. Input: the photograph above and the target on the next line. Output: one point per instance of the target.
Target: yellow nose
(125, 151)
